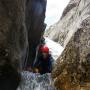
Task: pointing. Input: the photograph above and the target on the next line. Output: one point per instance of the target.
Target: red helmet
(44, 49)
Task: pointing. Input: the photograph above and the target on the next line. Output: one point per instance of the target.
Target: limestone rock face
(58, 32)
(35, 15)
(72, 71)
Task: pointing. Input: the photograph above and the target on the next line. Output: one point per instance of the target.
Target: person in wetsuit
(44, 62)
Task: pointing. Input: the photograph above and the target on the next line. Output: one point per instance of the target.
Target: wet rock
(21, 26)
(35, 15)
(13, 42)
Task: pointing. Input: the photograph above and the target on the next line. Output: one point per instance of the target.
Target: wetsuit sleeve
(51, 64)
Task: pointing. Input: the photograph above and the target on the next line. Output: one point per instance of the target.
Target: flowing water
(32, 81)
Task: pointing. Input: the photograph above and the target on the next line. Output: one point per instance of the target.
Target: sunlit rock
(72, 71)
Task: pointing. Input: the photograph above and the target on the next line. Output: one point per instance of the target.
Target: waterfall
(35, 81)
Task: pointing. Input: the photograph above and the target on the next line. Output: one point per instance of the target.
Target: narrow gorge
(21, 28)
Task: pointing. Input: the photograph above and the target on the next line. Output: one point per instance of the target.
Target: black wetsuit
(45, 65)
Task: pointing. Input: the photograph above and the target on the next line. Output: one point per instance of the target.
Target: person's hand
(36, 70)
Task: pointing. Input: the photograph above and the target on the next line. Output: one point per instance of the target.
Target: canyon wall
(13, 42)
(72, 71)
(35, 15)
(21, 27)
